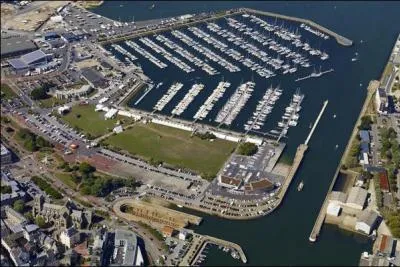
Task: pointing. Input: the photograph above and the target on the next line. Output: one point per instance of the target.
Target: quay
(340, 39)
(214, 16)
(200, 242)
(372, 87)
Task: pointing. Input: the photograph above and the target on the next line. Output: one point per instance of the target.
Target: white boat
(300, 186)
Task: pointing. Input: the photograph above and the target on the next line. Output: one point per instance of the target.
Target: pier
(340, 39)
(200, 242)
(316, 122)
(373, 86)
(145, 93)
(314, 75)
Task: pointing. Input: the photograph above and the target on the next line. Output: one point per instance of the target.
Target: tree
(247, 149)
(86, 168)
(366, 122)
(39, 220)
(6, 189)
(19, 205)
(39, 93)
(28, 215)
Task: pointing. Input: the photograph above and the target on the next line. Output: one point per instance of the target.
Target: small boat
(336, 147)
(179, 206)
(152, 6)
(334, 116)
(300, 186)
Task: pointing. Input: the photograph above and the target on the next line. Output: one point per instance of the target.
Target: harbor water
(282, 237)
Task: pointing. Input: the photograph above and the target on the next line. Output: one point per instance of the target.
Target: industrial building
(357, 198)
(94, 78)
(367, 221)
(13, 46)
(30, 61)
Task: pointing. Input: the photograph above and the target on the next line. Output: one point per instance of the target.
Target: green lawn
(174, 146)
(6, 92)
(66, 178)
(51, 102)
(90, 121)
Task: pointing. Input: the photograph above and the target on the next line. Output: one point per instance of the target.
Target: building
(118, 129)
(5, 155)
(64, 109)
(84, 90)
(183, 234)
(333, 209)
(30, 61)
(31, 232)
(70, 237)
(381, 101)
(167, 231)
(357, 198)
(384, 181)
(385, 245)
(51, 36)
(13, 46)
(126, 249)
(338, 198)
(366, 222)
(111, 113)
(94, 78)
(63, 216)
(364, 136)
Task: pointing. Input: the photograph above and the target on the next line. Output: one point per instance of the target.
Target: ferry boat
(300, 186)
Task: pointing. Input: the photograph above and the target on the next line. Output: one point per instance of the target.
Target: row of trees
(43, 185)
(205, 136)
(31, 141)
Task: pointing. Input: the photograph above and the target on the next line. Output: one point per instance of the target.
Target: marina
(259, 47)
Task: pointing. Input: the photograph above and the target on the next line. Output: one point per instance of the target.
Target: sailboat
(355, 58)
(300, 186)
(152, 6)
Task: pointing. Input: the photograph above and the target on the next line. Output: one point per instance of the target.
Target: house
(384, 181)
(366, 222)
(385, 245)
(69, 237)
(357, 198)
(364, 136)
(167, 231)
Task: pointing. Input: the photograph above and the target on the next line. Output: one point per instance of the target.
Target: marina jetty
(372, 87)
(340, 39)
(200, 242)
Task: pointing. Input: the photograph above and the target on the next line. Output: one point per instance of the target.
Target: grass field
(6, 92)
(67, 179)
(173, 146)
(50, 102)
(90, 121)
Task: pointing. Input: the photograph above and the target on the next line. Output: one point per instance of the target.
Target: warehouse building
(13, 46)
(94, 78)
(357, 198)
(367, 222)
(30, 61)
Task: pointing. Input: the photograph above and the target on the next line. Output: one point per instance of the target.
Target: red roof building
(384, 181)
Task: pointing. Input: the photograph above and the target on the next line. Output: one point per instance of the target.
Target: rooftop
(16, 44)
(125, 244)
(357, 196)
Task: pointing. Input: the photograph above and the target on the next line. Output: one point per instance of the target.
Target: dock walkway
(372, 87)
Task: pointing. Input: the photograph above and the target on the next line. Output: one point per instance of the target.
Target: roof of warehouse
(15, 44)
